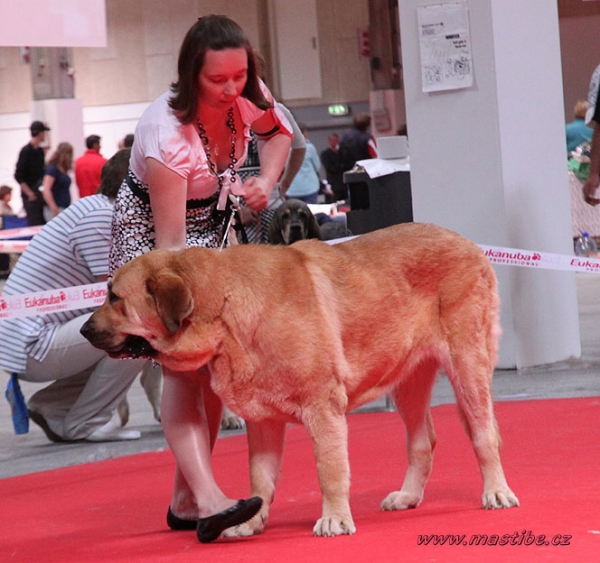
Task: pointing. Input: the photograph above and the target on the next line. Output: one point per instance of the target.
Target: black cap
(37, 127)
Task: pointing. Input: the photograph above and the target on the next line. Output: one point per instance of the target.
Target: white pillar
(488, 161)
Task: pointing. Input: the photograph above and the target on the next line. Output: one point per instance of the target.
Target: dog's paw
(230, 421)
(504, 498)
(334, 526)
(253, 527)
(400, 500)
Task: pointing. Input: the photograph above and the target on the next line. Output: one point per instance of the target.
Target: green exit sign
(338, 109)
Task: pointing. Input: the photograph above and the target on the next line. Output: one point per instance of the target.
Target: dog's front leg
(329, 433)
(265, 444)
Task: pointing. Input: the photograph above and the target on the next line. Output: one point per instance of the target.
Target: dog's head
(293, 221)
(148, 311)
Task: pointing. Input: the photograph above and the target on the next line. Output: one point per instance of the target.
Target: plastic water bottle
(585, 245)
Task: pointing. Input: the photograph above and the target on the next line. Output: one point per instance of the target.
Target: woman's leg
(191, 416)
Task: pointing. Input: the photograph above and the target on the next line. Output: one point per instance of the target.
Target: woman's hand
(29, 193)
(248, 216)
(257, 191)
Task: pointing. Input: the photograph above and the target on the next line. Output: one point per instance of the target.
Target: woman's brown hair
(63, 157)
(215, 33)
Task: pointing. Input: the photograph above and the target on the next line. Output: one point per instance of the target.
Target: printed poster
(445, 43)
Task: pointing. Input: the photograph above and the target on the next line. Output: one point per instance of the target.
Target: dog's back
(412, 292)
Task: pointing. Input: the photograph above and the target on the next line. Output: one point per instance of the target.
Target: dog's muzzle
(295, 233)
(131, 347)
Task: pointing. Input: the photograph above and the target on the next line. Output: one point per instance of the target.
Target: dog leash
(233, 220)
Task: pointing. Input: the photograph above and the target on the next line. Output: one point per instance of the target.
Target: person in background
(592, 95)
(5, 209)
(29, 173)
(5, 197)
(86, 385)
(577, 131)
(257, 223)
(56, 185)
(88, 167)
(330, 159)
(188, 144)
(306, 183)
(126, 142)
(357, 144)
(592, 183)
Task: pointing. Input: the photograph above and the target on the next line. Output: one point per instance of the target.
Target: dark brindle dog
(293, 221)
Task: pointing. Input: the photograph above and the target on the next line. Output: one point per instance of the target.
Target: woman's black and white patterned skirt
(133, 225)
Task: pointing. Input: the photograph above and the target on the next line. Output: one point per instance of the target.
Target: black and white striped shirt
(70, 250)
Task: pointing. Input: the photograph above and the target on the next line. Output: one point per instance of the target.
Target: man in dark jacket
(358, 143)
(30, 173)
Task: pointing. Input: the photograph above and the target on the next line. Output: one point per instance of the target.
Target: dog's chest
(249, 399)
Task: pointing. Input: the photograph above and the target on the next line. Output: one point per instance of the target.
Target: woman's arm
(168, 194)
(47, 185)
(273, 152)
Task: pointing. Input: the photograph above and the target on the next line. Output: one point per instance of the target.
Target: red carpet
(114, 511)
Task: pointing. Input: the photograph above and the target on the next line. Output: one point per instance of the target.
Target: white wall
(488, 162)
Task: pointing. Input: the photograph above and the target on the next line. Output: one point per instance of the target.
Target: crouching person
(87, 385)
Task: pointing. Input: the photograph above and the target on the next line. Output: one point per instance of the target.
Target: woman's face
(223, 77)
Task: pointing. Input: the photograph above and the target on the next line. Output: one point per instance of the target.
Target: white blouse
(161, 136)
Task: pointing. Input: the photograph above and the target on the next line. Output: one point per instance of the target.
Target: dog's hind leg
(412, 397)
(265, 443)
(472, 382)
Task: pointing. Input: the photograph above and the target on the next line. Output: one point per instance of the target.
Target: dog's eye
(112, 296)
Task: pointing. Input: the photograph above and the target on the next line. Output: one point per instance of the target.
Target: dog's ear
(313, 229)
(275, 236)
(173, 299)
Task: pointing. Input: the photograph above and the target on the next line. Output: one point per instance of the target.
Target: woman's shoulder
(248, 110)
(158, 112)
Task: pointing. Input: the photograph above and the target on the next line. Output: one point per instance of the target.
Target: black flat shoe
(178, 524)
(43, 424)
(211, 527)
